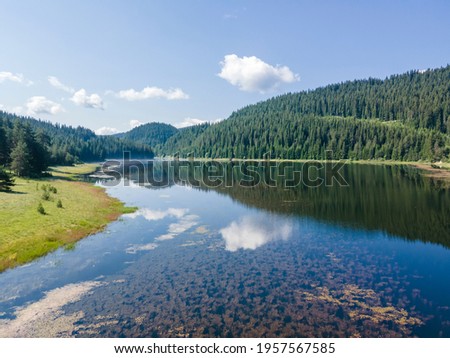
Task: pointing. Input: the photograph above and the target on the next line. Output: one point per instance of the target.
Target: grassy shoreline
(26, 234)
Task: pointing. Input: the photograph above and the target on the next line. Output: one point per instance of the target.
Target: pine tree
(6, 180)
(4, 155)
(20, 159)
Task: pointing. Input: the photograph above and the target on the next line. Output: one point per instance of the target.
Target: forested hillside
(28, 146)
(404, 117)
(152, 134)
(184, 138)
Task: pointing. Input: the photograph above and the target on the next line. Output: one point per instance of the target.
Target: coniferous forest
(28, 146)
(404, 117)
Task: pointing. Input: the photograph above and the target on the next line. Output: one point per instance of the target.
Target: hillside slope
(152, 134)
(64, 144)
(404, 117)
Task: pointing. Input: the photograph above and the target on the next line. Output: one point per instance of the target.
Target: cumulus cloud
(106, 131)
(254, 75)
(252, 232)
(135, 123)
(152, 92)
(187, 122)
(14, 77)
(55, 82)
(16, 110)
(9, 76)
(40, 104)
(81, 98)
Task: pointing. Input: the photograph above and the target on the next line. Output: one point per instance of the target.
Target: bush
(49, 188)
(59, 204)
(41, 209)
(45, 196)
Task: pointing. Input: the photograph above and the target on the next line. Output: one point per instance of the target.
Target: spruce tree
(4, 154)
(6, 181)
(20, 159)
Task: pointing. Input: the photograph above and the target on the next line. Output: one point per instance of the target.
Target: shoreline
(87, 209)
(439, 170)
(27, 235)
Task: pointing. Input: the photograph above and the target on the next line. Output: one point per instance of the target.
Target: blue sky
(110, 65)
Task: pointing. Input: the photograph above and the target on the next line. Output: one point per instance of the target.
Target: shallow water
(245, 259)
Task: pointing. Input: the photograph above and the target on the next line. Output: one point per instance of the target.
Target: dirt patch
(434, 171)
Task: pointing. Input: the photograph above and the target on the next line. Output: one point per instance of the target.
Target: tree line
(28, 146)
(152, 134)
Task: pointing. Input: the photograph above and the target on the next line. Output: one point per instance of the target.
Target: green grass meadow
(26, 234)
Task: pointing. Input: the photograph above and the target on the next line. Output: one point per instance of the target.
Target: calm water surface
(368, 259)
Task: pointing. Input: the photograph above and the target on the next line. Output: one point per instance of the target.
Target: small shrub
(40, 209)
(59, 204)
(70, 246)
(45, 196)
(54, 190)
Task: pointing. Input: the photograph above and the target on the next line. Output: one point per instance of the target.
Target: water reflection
(250, 261)
(158, 214)
(185, 223)
(251, 232)
(396, 199)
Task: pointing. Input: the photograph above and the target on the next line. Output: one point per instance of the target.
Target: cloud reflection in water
(152, 215)
(251, 232)
(184, 223)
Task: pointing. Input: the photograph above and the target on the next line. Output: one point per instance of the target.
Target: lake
(249, 249)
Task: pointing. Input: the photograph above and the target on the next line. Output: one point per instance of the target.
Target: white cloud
(253, 232)
(14, 77)
(152, 92)
(9, 76)
(16, 110)
(55, 82)
(40, 104)
(81, 98)
(230, 17)
(217, 120)
(187, 122)
(135, 123)
(254, 75)
(106, 131)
